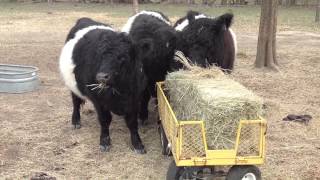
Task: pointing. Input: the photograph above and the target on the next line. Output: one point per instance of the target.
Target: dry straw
(207, 94)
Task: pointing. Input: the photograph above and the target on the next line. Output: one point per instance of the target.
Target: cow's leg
(143, 112)
(104, 118)
(76, 101)
(132, 123)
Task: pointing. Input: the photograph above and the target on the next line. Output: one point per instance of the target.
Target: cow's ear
(144, 47)
(191, 16)
(125, 37)
(225, 20)
(222, 23)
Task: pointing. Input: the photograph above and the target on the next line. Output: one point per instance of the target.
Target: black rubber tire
(174, 172)
(164, 141)
(238, 172)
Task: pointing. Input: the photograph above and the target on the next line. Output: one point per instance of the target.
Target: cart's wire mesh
(192, 141)
(249, 141)
(189, 136)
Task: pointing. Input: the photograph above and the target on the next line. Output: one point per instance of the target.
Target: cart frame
(195, 152)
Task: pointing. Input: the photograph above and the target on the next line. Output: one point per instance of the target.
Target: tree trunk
(191, 2)
(135, 6)
(205, 2)
(257, 2)
(224, 2)
(318, 12)
(242, 2)
(266, 49)
(291, 2)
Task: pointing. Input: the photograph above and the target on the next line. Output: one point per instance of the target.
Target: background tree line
(205, 2)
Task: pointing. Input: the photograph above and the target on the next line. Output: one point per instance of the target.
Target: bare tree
(291, 2)
(266, 49)
(135, 6)
(241, 2)
(205, 2)
(224, 2)
(257, 2)
(318, 11)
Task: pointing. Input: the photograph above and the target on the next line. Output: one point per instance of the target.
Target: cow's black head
(120, 60)
(156, 65)
(165, 41)
(204, 40)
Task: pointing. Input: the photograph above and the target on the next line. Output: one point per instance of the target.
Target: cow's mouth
(102, 86)
(98, 86)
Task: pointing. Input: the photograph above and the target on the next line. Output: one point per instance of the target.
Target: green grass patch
(246, 18)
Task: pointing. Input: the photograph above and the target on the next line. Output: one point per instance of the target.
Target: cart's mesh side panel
(168, 122)
(192, 141)
(249, 140)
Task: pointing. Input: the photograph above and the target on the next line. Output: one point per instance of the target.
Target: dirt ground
(35, 128)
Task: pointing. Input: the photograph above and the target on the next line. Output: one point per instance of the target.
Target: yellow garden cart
(186, 142)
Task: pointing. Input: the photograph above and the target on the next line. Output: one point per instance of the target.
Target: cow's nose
(102, 77)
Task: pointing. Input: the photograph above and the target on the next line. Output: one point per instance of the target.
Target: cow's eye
(122, 62)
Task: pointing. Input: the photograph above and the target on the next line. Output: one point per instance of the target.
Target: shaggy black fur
(157, 64)
(83, 23)
(112, 60)
(190, 14)
(206, 41)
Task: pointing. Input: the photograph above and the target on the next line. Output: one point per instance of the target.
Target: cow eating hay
(207, 41)
(156, 27)
(104, 66)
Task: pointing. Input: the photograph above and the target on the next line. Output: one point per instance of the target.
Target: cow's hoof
(105, 148)
(142, 122)
(139, 150)
(76, 126)
(105, 144)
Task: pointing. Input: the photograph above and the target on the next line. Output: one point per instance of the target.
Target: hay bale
(209, 95)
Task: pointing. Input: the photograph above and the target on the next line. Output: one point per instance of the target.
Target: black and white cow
(104, 67)
(154, 25)
(206, 41)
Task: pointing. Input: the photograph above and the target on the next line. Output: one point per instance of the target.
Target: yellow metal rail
(189, 145)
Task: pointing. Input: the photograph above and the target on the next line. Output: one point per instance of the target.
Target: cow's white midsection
(182, 25)
(66, 63)
(127, 27)
(185, 23)
(234, 38)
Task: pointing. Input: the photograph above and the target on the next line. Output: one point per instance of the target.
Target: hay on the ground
(209, 95)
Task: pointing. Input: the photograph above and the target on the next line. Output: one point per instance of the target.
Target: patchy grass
(35, 130)
(246, 18)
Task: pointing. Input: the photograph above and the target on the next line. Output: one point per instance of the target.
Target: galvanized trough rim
(18, 78)
(32, 69)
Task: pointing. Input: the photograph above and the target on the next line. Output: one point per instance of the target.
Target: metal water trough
(18, 78)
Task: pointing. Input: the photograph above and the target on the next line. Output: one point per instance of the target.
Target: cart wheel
(244, 173)
(174, 172)
(178, 173)
(164, 141)
(183, 173)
